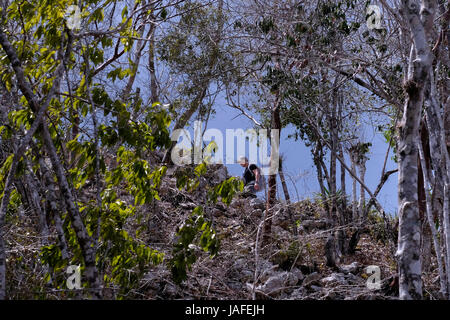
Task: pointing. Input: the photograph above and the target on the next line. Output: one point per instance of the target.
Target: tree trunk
(437, 165)
(408, 253)
(445, 158)
(286, 194)
(343, 187)
(152, 68)
(362, 192)
(333, 153)
(440, 163)
(353, 159)
(75, 122)
(336, 239)
(32, 190)
(39, 111)
(88, 246)
(272, 180)
(426, 232)
(50, 196)
(317, 162)
(431, 224)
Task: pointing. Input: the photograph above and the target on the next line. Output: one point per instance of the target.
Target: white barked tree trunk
(409, 233)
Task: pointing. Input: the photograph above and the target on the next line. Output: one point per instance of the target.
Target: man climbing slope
(251, 177)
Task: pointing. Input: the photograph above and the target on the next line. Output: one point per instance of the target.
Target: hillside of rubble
(288, 267)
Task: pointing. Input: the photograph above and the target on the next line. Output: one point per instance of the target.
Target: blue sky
(298, 165)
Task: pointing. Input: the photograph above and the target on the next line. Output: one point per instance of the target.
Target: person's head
(243, 161)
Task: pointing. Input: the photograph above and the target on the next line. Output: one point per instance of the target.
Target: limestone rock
(257, 203)
(281, 232)
(311, 279)
(352, 279)
(171, 291)
(235, 285)
(334, 278)
(329, 295)
(281, 218)
(354, 267)
(315, 288)
(241, 271)
(265, 270)
(298, 273)
(298, 294)
(309, 225)
(278, 283)
(220, 174)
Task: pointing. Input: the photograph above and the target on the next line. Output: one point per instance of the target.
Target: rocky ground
(288, 267)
